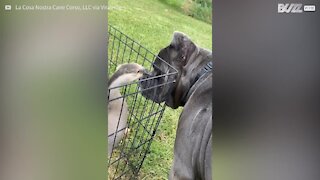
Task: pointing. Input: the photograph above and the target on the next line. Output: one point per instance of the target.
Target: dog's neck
(206, 69)
(202, 75)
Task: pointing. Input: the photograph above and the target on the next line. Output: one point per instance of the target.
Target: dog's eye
(182, 58)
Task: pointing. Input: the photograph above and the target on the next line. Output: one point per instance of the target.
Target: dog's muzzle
(150, 87)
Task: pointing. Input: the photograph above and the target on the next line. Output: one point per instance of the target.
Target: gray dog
(192, 90)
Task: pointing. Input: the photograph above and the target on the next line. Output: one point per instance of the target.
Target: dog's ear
(183, 44)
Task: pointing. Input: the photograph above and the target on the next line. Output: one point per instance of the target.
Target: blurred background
(266, 91)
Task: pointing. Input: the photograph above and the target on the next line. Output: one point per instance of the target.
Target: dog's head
(178, 55)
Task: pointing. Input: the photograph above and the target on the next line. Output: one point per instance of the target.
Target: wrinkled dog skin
(192, 149)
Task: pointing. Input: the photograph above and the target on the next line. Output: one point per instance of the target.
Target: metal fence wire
(144, 115)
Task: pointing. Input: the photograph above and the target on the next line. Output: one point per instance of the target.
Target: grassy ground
(152, 23)
(199, 9)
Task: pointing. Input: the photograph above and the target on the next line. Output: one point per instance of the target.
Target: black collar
(205, 70)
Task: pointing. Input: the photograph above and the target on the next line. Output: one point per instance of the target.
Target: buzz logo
(289, 8)
(295, 8)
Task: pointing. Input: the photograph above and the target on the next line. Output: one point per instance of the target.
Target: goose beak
(144, 71)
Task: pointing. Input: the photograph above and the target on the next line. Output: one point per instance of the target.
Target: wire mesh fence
(142, 115)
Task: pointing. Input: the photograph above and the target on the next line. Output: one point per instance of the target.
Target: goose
(118, 108)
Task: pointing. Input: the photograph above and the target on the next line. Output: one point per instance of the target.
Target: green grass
(152, 23)
(177, 4)
(199, 9)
